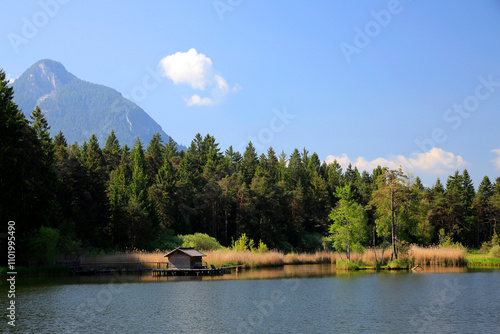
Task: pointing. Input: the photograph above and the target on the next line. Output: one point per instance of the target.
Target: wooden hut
(185, 258)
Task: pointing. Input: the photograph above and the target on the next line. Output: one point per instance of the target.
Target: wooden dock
(195, 272)
(157, 269)
(103, 268)
(188, 272)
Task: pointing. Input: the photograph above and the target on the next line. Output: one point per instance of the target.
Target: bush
(348, 265)
(200, 241)
(262, 247)
(243, 243)
(399, 264)
(446, 241)
(487, 245)
(495, 251)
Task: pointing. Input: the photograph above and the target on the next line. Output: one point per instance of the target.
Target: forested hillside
(68, 198)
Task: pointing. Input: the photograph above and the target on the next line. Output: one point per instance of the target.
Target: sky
(410, 83)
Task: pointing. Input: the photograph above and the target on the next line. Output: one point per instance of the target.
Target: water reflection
(288, 271)
(290, 299)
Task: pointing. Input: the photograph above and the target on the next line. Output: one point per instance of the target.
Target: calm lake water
(293, 299)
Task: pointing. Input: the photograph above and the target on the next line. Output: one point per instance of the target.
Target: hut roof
(188, 251)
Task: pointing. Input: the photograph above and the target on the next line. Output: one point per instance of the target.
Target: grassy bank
(482, 259)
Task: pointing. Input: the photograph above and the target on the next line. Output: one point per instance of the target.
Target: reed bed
(226, 257)
(271, 258)
(221, 258)
(127, 256)
(417, 255)
(434, 255)
(451, 256)
(318, 257)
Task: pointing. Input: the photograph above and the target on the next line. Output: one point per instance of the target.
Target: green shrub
(399, 264)
(243, 243)
(495, 251)
(348, 265)
(487, 245)
(200, 241)
(446, 241)
(262, 247)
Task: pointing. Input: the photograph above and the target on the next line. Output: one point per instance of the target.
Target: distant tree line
(68, 198)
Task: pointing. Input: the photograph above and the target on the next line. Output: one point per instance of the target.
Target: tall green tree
(349, 228)
(249, 163)
(390, 194)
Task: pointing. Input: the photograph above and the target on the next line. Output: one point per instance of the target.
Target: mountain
(79, 108)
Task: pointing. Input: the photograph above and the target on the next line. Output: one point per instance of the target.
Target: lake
(293, 299)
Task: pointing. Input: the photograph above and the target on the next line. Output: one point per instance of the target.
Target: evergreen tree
(155, 153)
(139, 181)
(41, 126)
(249, 163)
(111, 152)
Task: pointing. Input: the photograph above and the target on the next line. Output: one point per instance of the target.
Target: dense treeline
(65, 198)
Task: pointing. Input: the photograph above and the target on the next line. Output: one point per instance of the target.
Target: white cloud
(196, 100)
(221, 84)
(196, 70)
(436, 161)
(189, 67)
(236, 88)
(496, 160)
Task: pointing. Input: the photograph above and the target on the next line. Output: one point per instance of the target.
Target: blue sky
(368, 82)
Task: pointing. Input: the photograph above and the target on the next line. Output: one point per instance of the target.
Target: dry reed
(419, 255)
(447, 256)
(127, 256)
(228, 257)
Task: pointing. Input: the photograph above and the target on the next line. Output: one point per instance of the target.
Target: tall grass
(416, 255)
(127, 256)
(443, 256)
(481, 259)
(221, 258)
